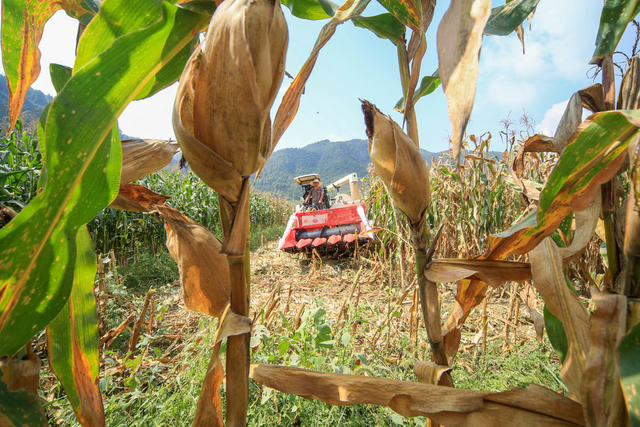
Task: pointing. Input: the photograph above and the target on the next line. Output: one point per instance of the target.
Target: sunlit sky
(357, 64)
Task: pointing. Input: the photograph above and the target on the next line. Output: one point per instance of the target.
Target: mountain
(33, 105)
(332, 160)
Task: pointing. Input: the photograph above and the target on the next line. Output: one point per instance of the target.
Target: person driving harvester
(316, 195)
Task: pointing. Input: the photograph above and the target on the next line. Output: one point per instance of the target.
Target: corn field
(559, 213)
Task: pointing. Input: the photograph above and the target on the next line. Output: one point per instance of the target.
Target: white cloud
(511, 94)
(558, 49)
(551, 118)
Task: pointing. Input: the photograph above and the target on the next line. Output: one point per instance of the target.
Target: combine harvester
(336, 229)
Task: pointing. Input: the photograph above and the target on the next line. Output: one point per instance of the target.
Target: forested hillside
(33, 105)
(332, 160)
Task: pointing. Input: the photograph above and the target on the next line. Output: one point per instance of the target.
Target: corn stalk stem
(608, 215)
(429, 298)
(405, 74)
(237, 388)
(608, 188)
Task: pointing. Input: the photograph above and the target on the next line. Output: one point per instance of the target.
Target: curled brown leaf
(459, 41)
(204, 271)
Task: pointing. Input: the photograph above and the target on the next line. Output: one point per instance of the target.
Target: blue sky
(357, 64)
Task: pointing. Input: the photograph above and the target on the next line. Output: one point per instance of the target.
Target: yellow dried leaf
(209, 412)
(549, 280)
(629, 97)
(429, 372)
(136, 198)
(489, 271)
(459, 41)
(204, 270)
(602, 393)
(534, 406)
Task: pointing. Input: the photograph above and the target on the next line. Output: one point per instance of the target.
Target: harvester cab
(329, 225)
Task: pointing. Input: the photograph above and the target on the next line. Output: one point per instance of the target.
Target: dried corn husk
(141, 157)
(221, 114)
(398, 162)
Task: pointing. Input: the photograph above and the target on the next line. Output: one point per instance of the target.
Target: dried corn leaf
(209, 411)
(632, 218)
(536, 144)
(235, 241)
(444, 405)
(586, 221)
(141, 157)
(629, 97)
(459, 41)
(204, 270)
(291, 99)
(412, 83)
(569, 122)
(469, 294)
(602, 394)
(592, 98)
(429, 372)
(136, 198)
(398, 162)
(19, 400)
(536, 398)
(489, 271)
(549, 280)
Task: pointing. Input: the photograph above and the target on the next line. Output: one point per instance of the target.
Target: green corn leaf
(593, 156)
(60, 75)
(427, 86)
(104, 31)
(72, 339)
(19, 408)
(23, 22)
(408, 12)
(630, 373)
(555, 330)
(170, 73)
(385, 26)
(556, 334)
(506, 18)
(83, 163)
(311, 9)
(616, 14)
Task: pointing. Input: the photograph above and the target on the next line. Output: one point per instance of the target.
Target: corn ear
(398, 162)
(221, 115)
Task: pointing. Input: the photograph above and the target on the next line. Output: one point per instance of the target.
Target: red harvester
(336, 228)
